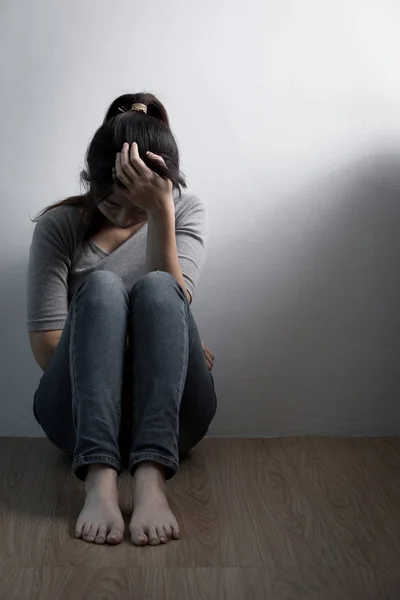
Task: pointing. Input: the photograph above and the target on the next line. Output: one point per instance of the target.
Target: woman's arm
(162, 252)
(175, 245)
(43, 345)
(49, 263)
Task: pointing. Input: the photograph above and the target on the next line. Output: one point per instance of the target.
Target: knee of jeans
(158, 285)
(105, 287)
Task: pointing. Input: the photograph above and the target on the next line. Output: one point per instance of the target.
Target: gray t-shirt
(59, 260)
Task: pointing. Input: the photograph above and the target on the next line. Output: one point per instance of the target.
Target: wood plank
(354, 509)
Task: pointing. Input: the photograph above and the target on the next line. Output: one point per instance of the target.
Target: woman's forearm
(162, 254)
(44, 344)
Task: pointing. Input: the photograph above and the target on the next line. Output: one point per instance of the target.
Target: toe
(154, 540)
(168, 531)
(138, 535)
(86, 528)
(162, 536)
(140, 540)
(93, 533)
(175, 531)
(101, 534)
(116, 535)
(78, 529)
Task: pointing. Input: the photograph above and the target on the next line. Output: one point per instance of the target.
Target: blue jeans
(103, 403)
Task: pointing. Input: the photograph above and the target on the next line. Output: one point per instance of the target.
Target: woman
(110, 282)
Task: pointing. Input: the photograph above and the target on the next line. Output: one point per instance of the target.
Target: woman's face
(119, 211)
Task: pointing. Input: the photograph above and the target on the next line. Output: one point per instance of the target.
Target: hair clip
(138, 106)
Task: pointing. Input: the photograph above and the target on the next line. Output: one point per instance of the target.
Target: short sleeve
(191, 239)
(48, 268)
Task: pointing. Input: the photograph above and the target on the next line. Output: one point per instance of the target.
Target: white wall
(287, 114)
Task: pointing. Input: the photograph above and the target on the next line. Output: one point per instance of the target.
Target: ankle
(101, 477)
(152, 472)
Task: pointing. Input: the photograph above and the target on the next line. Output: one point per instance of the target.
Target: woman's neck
(110, 237)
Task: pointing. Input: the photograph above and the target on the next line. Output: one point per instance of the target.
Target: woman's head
(149, 128)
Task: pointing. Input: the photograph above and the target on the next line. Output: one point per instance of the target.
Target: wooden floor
(279, 519)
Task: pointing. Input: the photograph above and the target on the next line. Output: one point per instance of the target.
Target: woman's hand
(209, 356)
(144, 188)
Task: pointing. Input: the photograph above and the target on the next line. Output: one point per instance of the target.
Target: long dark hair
(152, 133)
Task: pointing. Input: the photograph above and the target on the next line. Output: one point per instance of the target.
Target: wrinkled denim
(101, 403)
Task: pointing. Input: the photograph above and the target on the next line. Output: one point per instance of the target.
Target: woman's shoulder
(65, 215)
(62, 224)
(189, 204)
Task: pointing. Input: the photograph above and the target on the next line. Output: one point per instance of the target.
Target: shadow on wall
(314, 342)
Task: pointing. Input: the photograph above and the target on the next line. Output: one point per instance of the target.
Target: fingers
(120, 173)
(135, 159)
(156, 158)
(209, 356)
(129, 165)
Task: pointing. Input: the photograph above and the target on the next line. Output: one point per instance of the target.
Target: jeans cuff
(80, 464)
(171, 466)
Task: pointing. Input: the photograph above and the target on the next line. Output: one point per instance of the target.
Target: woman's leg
(174, 399)
(78, 401)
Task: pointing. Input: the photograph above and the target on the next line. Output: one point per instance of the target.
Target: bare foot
(152, 520)
(101, 520)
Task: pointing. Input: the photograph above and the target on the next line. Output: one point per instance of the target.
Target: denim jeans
(103, 403)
